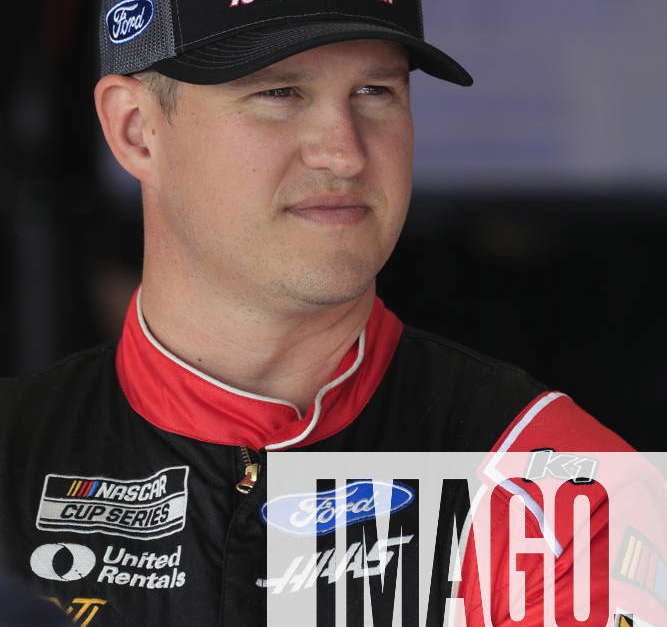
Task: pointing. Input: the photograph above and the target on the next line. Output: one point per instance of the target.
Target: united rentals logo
(72, 562)
(145, 509)
(80, 558)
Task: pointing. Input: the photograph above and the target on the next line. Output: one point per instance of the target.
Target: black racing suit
(187, 547)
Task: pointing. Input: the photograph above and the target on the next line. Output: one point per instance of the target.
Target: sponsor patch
(319, 513)
(81, 610)
(72, 562)
(639, 562)
(145, 509)
(128, 19)
(565, 466)
(81, 561)
(358, 562)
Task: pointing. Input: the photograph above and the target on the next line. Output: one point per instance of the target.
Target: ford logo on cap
(319, 513)
(128, 19)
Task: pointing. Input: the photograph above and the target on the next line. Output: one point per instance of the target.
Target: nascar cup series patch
(145, 509)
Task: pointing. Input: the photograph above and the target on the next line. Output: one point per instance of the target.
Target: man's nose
(333, 141)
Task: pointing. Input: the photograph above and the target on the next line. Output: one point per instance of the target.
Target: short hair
(164, 89)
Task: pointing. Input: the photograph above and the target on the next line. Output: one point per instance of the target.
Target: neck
(283, 354)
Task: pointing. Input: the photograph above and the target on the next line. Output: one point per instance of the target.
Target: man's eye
(280, 92)
(373, 90)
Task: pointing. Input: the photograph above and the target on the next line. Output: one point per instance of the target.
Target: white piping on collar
(258, 397)
(199, 373)
(320, 395)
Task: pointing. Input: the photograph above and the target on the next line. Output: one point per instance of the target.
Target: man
(273, 142)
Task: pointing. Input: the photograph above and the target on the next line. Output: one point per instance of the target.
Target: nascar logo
(118, 491)
(147, 508)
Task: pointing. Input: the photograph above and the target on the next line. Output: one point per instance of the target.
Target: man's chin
(331, 294)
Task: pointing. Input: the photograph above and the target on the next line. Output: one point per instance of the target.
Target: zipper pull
(248, 482)
(251, 472)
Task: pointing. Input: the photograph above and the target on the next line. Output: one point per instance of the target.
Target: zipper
(251, 472)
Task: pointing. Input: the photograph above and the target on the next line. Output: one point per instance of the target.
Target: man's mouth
(331, 209)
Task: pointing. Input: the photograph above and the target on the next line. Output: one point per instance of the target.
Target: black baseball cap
(214, 41)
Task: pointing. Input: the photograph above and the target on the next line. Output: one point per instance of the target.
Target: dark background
(562, 279)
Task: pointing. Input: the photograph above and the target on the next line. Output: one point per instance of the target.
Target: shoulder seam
(486, 360)
(95, 351)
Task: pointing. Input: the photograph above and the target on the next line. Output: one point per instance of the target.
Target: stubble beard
(336, 285)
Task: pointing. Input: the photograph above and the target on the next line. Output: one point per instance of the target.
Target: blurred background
(539, 220)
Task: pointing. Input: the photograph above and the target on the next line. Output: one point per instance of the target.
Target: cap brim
(250, 50)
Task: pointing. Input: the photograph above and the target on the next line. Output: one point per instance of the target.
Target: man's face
(290, 185)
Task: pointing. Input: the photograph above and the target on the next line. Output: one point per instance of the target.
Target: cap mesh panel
(154, 44)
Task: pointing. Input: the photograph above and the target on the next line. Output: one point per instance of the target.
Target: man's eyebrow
(269, 77)
(388, 73)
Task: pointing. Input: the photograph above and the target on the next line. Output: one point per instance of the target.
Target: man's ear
(122, 113)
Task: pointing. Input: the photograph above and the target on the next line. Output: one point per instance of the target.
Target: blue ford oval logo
(128, 19)
(319, 513)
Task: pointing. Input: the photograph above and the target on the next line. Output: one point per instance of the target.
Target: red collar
(176, 397)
